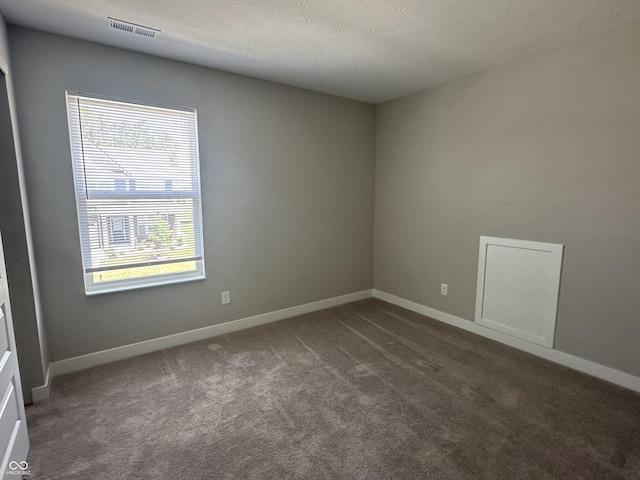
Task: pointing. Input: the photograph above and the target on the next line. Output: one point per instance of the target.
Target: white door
(14, 443)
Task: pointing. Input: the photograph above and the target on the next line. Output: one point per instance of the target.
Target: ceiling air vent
(133, 28)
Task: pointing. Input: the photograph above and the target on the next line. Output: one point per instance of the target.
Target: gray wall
(14, 225)
(542, 149)
(287, 182)
(545, 149)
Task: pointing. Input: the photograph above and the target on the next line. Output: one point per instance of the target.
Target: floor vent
(132, 28)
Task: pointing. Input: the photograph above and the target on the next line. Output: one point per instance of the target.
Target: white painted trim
(585, 366)
(120, 353)
(41, 393)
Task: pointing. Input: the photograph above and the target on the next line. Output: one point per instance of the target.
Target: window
(137, 185)
(118, 230)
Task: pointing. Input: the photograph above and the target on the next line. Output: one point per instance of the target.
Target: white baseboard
(38, 394)
(120, 353)
(585, 366)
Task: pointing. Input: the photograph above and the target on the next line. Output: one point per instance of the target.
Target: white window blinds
(137, 185)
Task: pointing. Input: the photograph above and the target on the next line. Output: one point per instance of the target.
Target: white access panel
(518, 288)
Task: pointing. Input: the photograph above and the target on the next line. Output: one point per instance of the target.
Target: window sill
(157, 282)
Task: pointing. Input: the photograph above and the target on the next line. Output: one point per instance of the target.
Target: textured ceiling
(370, 50)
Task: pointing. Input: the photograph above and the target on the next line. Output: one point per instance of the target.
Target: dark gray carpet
(363, 391)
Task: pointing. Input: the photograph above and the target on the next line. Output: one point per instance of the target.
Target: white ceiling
(370, 50)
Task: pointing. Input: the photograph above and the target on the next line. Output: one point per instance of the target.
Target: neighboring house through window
(137, 185)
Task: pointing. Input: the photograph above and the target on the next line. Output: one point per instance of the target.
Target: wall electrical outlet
(443, 288)
(226, 298)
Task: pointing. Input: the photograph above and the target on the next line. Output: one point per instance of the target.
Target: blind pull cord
(84, 163)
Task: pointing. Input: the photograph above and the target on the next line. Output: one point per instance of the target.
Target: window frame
(93, 287)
